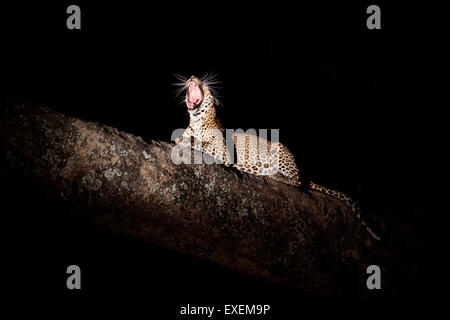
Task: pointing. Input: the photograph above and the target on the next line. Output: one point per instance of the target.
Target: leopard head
(200, 93)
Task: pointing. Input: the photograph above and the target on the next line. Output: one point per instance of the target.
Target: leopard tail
(353, 205)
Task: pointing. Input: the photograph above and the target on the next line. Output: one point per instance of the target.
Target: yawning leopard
(254, 154)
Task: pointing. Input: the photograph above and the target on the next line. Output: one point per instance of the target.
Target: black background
(354, 105)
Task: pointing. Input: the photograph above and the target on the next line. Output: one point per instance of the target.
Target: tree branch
(244, 222)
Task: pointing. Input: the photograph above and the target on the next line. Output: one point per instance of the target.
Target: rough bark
(244, 222)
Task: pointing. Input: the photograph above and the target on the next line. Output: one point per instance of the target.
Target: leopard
(254, 154)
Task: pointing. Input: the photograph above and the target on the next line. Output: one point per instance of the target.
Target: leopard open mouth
(194, 95)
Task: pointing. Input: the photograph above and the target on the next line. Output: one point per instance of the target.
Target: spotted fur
(254, 154)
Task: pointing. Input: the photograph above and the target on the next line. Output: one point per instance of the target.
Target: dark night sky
(354, 105)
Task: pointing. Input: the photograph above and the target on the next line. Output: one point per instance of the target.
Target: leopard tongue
(194, 96)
